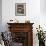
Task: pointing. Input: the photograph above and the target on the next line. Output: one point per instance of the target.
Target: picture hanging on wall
(20, 9)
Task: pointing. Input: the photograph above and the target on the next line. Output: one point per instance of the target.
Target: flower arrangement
(40, 34)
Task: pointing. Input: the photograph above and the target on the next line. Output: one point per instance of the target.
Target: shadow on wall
(0, 15)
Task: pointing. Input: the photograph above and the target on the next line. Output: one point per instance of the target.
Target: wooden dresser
(22, 33)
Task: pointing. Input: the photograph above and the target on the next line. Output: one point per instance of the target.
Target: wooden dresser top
(19, 23)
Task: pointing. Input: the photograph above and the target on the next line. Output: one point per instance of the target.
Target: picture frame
(20, 9)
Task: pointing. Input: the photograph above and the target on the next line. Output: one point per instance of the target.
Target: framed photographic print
(20, 9)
